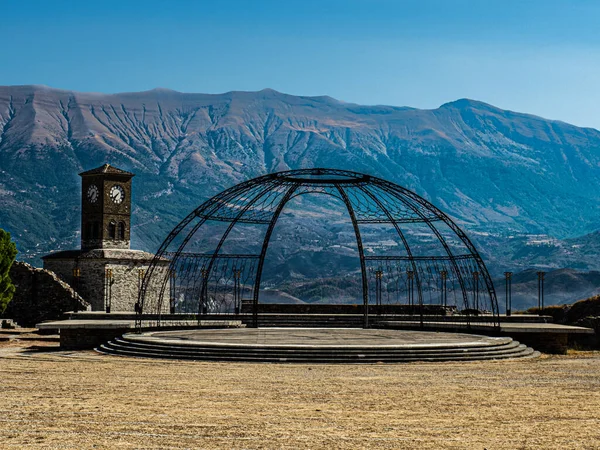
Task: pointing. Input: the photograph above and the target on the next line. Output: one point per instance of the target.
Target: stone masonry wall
(91, 284)
(40, 295)
(126, 281)
(125, 266)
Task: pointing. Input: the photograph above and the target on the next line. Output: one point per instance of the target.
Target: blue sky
(541, 57)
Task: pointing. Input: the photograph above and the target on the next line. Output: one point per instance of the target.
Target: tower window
(112, 230)
(122, 231)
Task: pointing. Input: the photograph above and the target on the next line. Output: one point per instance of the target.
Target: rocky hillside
(496, 171)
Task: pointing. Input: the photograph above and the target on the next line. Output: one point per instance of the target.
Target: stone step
(316, 354)
(503, 344)
(126, 346)
(366, 359)
(333, 357)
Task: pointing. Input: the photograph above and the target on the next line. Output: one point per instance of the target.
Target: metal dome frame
(368, 200)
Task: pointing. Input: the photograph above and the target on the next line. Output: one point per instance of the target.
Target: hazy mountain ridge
(561, 286)
(494, 170)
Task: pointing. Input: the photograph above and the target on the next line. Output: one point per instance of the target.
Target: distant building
(105, 271)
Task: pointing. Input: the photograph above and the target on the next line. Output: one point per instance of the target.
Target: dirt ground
(80, 400)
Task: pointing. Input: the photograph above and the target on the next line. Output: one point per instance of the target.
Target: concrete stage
(90, 329)
(545, 337)
(315, 345)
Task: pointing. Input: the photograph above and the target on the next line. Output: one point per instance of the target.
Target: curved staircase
(140, 346)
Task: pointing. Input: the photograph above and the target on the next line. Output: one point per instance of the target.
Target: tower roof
(107, 169)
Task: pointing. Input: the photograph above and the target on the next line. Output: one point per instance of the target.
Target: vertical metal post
(444, 299)
(476, 287)
(111, 281)
(108, 281)
(411, 295)
(378, 277)
(138, 306)
(540, 291)
(508, 278)
(410, 274)
(236, 290)
(172, 292)
(202, 306)
(204, 298)
(141, 273)
(420, 311)
(361, 255)
(543, 276)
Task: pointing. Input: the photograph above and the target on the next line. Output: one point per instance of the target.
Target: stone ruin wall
(40, 295)
(63, 269)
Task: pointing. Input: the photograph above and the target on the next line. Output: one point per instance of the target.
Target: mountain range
(526, 189)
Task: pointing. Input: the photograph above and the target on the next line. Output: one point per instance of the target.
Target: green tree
(8, 252)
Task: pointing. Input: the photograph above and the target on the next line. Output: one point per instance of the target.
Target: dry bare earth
(84, 400)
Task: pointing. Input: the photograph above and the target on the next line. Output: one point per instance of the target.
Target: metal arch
(361, 255)
(298, 194)
(263, 252)
(163, 248)
(352, 177)
(211, 203)
(442, 241)
(269, 187)
(402, 238)
(230, 206)
(463, 237)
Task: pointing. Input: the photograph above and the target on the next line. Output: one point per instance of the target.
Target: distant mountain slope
(495, 171)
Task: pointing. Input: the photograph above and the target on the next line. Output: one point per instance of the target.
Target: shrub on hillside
(584, 308)
(557, 312)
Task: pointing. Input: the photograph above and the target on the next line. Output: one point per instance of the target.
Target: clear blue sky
(537, 56)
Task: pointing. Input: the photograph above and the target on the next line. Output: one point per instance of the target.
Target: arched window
(112, 230)
(122, 231)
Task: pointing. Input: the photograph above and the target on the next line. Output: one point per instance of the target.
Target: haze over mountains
(503, 175)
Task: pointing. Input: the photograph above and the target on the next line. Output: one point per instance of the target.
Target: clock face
(92, 193)
(117, 194)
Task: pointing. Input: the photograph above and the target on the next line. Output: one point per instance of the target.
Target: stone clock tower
(106, 208)
(105, 271)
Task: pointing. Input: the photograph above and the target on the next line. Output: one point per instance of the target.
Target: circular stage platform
(315, 345)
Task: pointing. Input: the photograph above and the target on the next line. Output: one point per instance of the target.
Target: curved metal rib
(439, 237)
(263, 252)
(361, 255)
(395, 202)
(463, 237)
(270, 186)
(158, 256)
(404, 242)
